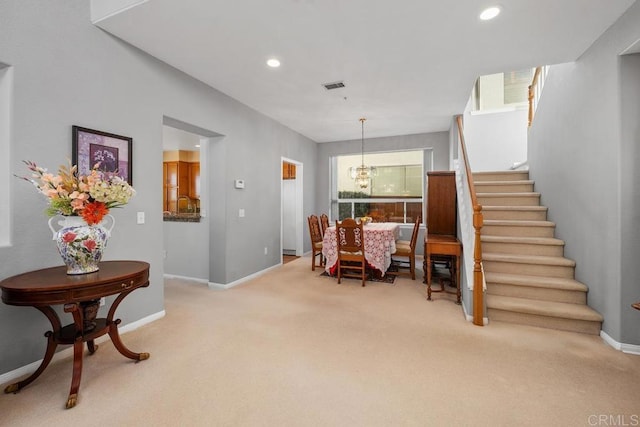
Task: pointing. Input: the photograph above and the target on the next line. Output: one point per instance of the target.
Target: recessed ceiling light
(273, 63)
(490, 13)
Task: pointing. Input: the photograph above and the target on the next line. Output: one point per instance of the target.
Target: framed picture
(111, 152)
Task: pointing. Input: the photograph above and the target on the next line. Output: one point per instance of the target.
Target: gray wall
(582, 152)
(68, 72)
(630, 197)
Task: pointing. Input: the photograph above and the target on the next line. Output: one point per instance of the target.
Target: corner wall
(581, 163)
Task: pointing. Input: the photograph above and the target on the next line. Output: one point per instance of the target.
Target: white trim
(222, 286)
(6, 122)
(68, 352)
(485, 320)
(187, 278)
(625, 348)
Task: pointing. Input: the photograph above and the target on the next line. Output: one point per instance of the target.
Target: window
(393, 195)
(502, 91)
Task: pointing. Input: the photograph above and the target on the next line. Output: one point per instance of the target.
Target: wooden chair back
(316, 241)
(351, 259)
(324, 222)
(408, 251)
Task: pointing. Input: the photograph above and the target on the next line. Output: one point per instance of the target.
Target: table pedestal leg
(78, 346)
(51, 349)
(115, 335)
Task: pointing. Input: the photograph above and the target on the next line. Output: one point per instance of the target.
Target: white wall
(497, 140)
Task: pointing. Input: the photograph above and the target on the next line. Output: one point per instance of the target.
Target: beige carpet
(292, 348)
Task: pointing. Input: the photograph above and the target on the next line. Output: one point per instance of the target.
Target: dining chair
(316, 241)
(407, 249)
(351, 260)
(324, 223)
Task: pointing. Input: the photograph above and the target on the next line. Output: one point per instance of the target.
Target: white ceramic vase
(81, 245)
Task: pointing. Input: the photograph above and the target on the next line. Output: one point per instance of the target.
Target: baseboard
(485, 320)
(187, 278)
(10, 376)
(625, 348)
(224, 286)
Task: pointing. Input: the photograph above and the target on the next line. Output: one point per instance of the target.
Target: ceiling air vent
(334, 85)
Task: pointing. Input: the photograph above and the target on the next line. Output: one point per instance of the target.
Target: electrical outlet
(266, 250)
(140, 217)
(103, 301)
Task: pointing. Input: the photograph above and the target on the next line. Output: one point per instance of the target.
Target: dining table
(379, 244)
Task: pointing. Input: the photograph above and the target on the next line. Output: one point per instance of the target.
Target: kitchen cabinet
(288, 170)
(176, 183)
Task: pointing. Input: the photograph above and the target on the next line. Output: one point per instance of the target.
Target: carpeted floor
(291, 348)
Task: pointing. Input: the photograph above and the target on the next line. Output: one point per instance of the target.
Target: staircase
(528, 279)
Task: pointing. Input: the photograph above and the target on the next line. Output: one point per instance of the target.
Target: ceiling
(408, 66)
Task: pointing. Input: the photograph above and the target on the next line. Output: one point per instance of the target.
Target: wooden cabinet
(176, 179)
(441, 203)
(441, 244)
(194, 181)
(288, 170)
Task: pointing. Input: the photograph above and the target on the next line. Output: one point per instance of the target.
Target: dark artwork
(106, 156)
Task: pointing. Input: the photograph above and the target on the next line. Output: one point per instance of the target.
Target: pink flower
(69, 237)
(90, 244)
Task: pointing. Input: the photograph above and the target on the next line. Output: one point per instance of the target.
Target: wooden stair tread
(501, 173)
(505, 183)
(505, 195)
(527, 240)
(543, 308)
(529, 259)
(513, 208)
(536, 281)
(519, 223)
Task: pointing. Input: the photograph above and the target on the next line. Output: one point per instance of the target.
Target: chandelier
(362, 174)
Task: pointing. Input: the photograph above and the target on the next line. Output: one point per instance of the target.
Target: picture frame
(113, 152)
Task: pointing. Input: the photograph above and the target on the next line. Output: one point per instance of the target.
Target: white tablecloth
(379, 243)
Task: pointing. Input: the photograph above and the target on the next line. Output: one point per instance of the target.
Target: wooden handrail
(532, 93)
(478, 279)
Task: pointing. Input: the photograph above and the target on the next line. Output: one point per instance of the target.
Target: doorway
(292, 225)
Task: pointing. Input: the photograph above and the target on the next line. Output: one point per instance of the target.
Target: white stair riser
(512, 215)
(528, 200)
(517, 231)
(505, 188)
(562, 271)
(536, 293)
(582, 326)
(522, 249)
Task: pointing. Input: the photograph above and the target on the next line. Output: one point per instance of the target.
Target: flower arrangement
(71, 194)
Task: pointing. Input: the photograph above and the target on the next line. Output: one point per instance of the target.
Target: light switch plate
(241, 213)
(140, 218)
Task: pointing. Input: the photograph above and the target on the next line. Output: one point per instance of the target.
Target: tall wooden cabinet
(441, 202)
(441, 243)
